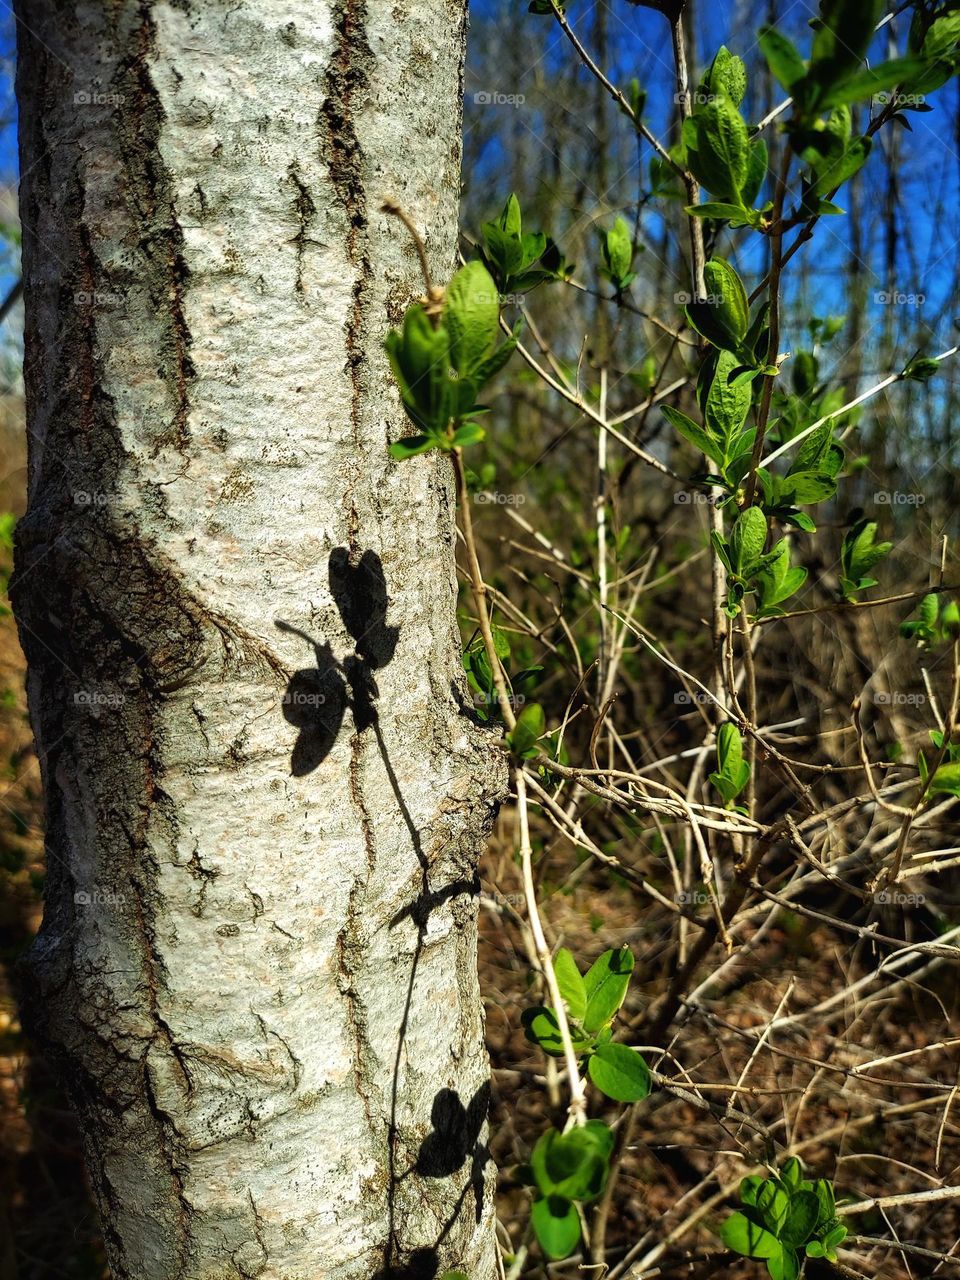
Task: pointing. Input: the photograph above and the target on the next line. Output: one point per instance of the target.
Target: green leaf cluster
(566, 1168)
(520, 260)
(441, 361)
(733, 772)
(723, 318)
(750, 568)
(946, 775)
(859, 553)
(591, 1001)
(617, 250)
(784, 1218)
(834, 74)
(935, 621)
(476, 664)
(718, 149)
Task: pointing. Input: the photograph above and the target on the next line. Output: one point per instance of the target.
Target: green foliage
(834, 75)
(7, 524)
(591, 1001)
(936, 621)
(859, 553)
(733, 772)
(519, 260)
(921, 369)
(440, 362)
(619, 1072)
(784, 1218)
(946, 774)
(616, 247)
(723, 317)
(717, 147)
(566, 1168)
(480, 675)
(531, 725)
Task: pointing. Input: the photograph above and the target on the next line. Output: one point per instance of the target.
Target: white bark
(257, 961)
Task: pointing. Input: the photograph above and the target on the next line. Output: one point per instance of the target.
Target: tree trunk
(264, 809)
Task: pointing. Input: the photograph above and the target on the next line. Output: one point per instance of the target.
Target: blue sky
(638, 45)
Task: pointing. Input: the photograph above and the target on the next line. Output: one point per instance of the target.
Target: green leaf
(784, 1267)
(530, 726)
(411, 446)
(726, 74)
(617, 249)
(571, 984)
(468, 433)
(870, 81)
(748, 1239)
(749, 1187)
(747, 538)
(728, 297)
(757, 161)
(860, 552)
(619, 1072)
(556, 1225)
(801, 1220)
(782, 57)
(835, 172)
(693, 432)
(725, 405)
(734, 213)
(606, 982)
(541, 1027)
(722, 146)
(471, 313)
(808, 487)
(946, 780)
(826, 1200)
(573, 1164)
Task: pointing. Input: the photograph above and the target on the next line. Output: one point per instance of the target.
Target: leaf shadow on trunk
(316, 702)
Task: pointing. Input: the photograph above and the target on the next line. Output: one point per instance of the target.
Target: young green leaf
(530, 727)
(556, 1225)
(747, 539)
(619, 1072)
(471, 313)
(748, 1239)
(606, 983)
(783, 58)
(571, 984)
